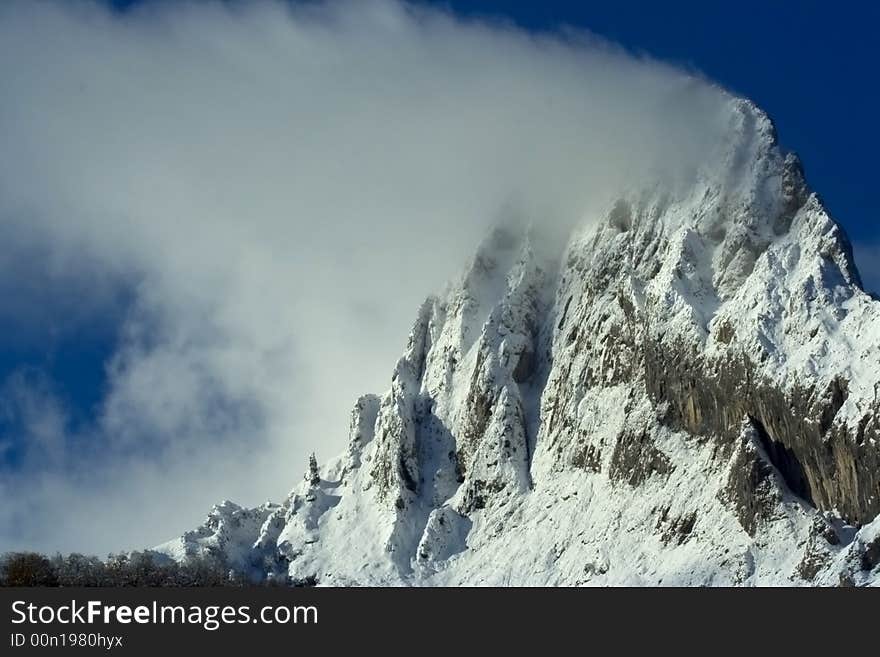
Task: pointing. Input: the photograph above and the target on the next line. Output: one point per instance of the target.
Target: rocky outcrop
(753, 488)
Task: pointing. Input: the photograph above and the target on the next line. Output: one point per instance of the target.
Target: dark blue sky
(810, 65)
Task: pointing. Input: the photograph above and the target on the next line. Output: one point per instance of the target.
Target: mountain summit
(685, 394)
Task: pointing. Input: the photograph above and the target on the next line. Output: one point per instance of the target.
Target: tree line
(130, 569)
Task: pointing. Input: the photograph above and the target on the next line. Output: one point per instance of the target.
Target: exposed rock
(751, 485)
(870, 554)
(635, 458)
(675, 529)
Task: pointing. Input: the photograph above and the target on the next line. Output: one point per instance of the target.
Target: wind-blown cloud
(274, 188)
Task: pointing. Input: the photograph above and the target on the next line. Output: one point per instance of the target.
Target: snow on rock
(685, 395)
(228, 533)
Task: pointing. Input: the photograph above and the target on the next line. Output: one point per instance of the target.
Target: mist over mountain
(236, 206)
(636, 349)
(683, 394)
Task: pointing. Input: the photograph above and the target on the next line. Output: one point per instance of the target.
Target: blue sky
(63, 326)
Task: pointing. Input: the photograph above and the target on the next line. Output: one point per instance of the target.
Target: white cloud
(279, 187)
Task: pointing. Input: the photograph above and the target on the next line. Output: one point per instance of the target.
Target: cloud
(273, 189)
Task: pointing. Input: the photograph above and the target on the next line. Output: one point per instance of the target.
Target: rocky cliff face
(686, 394)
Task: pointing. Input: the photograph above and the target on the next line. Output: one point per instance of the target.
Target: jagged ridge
(685, 395)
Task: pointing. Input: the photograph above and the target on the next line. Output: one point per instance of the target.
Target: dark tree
(27, 569)
(312, 475)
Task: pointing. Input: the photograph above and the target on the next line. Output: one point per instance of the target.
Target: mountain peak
(685, 393)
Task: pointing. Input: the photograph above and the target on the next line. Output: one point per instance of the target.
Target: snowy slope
(684, 395)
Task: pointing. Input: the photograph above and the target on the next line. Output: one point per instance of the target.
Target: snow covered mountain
(685, 394)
